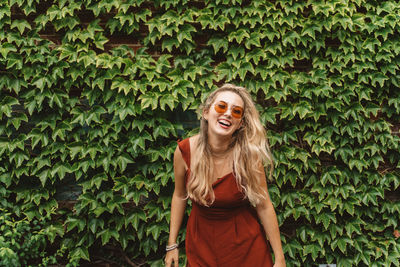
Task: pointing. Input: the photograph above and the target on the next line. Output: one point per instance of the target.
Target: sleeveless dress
(226, 234)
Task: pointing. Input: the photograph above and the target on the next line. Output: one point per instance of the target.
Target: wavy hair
(250, 149)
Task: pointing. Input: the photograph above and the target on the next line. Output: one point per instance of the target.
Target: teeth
(224, 122)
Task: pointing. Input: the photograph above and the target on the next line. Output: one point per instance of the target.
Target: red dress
(228, 232)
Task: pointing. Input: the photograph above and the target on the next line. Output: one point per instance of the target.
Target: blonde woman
(222, 171)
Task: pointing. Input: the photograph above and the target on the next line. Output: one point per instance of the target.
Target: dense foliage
(80, 108)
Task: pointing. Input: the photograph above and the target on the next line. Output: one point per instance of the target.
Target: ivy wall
(94, 95)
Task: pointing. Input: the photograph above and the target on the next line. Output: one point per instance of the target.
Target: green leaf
(123, 160)
(169, 100)
(291, 38)
(80, 253)
(78, 223)
(122, 85)
(244, 68)
(21, 25)
(238, 35)
(313, 249)
(16, 61)
(18, 157)
(155, 231)
(95, 224)
(149, 99)
(253, 41)
(6, 178)
(61, 169)
(5, 48)
(185, 33)
(169, 43)
(218, 43)
(302, 108)
(106, 235)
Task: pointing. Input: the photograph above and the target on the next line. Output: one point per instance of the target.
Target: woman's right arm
(178, 205)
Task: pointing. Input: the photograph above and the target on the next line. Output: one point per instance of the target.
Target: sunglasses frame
(220, 110)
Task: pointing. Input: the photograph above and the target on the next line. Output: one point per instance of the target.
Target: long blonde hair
(250, 150)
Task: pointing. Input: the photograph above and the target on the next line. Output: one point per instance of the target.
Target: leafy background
(94, 95)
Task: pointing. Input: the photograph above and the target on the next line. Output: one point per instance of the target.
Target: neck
(219, 145)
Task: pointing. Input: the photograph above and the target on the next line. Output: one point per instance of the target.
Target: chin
(218, 130)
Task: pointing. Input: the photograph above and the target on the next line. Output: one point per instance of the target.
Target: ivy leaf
(95, 224)
(122, 85)
(256, 55)
(310, 29)
(313, 249)
(149, 99)
(205, 20)
(359, 164)
(16, 61)
(238, 35)
(98, 179)
(169, 100)
(218, 43)
(100, 40)
(380, 78)
(302, 108)
(155, 231)
(341, 242)
(17, 118)
(87, 58)
(80, 253)
(169, 43)
(123, 161)
(220, 22)
(244, 68)
(21, 25)
(106, 235)
(291, 38)
(61, 168)
(254, 40)
(6, 48)
(181, 87)
(185, 32)
(142, 15)
(6, 178)
(73, 222)
(269, 115)
(164, 128)
(224, 71)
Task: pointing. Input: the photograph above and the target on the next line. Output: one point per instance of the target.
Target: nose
(228, 112)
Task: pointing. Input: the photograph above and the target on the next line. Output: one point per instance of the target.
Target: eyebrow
(227, 103)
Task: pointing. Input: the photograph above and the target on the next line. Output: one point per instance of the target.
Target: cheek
(239, 124)
(212, 114)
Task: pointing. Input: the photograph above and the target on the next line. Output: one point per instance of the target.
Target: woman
(221, 171)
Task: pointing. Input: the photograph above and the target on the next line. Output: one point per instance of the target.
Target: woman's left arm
(267, 216)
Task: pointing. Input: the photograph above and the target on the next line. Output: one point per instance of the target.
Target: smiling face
(226, 123)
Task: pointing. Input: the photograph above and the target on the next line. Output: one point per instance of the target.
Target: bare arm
(178, 205)
(267, 216)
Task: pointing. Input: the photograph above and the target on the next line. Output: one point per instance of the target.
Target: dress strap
(184, 147)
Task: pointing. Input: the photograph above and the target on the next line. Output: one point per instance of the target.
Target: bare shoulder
(193, 141)
(193, 146)
(179, 163)
(179, 171)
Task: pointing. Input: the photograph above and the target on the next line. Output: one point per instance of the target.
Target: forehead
(230, 98)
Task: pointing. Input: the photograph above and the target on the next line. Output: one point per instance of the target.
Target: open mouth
(224, 123)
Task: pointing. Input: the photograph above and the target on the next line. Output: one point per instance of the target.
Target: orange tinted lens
(221, 107)
(237, 112)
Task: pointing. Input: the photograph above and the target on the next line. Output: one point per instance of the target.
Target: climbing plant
(95, 94)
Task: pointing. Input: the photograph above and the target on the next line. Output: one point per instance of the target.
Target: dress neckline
(220, 179)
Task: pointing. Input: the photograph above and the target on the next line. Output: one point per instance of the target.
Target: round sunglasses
(222, 107)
